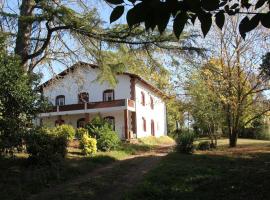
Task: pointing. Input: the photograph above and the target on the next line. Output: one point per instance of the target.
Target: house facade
(134, 107)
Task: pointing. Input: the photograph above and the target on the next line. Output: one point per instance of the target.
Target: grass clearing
(225, 173)
(152, 141)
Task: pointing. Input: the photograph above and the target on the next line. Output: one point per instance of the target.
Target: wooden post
(126, 124)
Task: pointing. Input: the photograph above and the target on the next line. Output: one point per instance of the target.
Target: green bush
(203, 146)
(185, 142)
(65, 130)
(108, 140)
(80, 132)
(88, 145)
(44, 147)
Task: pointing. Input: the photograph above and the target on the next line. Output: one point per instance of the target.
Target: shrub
(65, 130)
(88, 145)
(44, 147)
(108, 140)
(80, 132)
(185, 142)
(203, 146)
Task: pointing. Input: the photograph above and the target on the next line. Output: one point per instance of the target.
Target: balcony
(91, 107)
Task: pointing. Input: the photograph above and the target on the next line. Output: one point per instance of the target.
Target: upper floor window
(108, 95)
(143, 98)
(60, 100)
(152, 103)
(111, 120)
(83, 97)
(144, 124)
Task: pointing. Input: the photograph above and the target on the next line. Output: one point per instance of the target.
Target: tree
(265, 66)
(157, 13)
(204, 106)
(20, 101)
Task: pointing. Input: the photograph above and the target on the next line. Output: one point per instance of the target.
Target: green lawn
(239, 173)
(19, 179)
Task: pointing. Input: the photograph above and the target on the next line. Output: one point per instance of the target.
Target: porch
(119, 112)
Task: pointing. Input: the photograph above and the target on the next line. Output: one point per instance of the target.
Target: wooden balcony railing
(93, 105)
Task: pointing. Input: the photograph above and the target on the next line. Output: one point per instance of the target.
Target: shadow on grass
(18, 179)
(208, 176)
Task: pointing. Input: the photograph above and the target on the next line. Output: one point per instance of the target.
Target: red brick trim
(126, 124)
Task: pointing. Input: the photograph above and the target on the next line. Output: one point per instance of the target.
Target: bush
(65, 130)
(80, 132)
(88, 145)
(185, 142)
(203, 146)
(44, 147)
(108, 140)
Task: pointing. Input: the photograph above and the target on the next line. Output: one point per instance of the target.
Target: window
(59, 122)
(108, 95)
(60, 100)
(143, 98)
(152, 103)
(111, 120)
(144, 124)
(81, 123)
(152, 128)
(83, 97)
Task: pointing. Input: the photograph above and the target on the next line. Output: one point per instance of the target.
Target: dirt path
(109, 182)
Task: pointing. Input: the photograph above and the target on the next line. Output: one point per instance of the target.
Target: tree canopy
(157, 13)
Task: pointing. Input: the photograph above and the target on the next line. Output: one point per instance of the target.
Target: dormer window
(108, 95)
(152, 103)
(143, 98)
(83, 97)
(60, 100)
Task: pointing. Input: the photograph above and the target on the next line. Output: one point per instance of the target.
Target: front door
(152, 128)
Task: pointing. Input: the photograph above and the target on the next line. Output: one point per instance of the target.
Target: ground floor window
(59, 122)
(81, 123)
(152, 128)
(111, 120)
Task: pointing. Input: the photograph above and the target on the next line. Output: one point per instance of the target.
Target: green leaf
(206, 22)
(265, 20)
(243, 27)
(117, 13)
(115, 2)
(136, 15)
(163, 18)
(220, 19)
(210, 5)
(260, 3)
(179, 23)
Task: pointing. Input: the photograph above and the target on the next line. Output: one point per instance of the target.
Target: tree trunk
(233, 138)
(24, 31)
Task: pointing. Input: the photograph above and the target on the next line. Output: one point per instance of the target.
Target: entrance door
(152, 128)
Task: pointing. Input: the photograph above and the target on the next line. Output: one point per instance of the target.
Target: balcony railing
(94, 105)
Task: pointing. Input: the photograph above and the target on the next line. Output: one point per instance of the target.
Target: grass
(19, 179)
(231, 174)
(153, 141)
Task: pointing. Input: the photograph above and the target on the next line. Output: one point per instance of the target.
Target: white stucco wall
(84, 80)
(158, 114)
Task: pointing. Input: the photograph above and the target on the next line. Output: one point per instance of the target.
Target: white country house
(134, 107)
